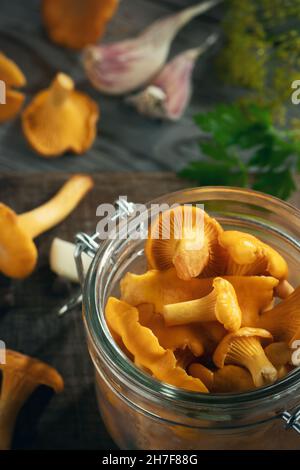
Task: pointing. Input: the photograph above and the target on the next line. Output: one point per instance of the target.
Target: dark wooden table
(125, 140)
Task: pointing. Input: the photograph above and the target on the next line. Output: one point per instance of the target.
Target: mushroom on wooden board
(13, 78)
(18, 253)
(60, 119)
(21, 376)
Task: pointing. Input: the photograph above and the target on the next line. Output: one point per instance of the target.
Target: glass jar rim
(149, 386)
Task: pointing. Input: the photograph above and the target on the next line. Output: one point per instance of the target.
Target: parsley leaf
(242, 141)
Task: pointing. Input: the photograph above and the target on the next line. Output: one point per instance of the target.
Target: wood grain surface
(125, 140)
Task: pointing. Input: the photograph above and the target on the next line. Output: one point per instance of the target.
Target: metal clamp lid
(90, 244)
(292, 420)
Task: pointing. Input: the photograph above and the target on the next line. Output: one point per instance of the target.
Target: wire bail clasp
(292, 420)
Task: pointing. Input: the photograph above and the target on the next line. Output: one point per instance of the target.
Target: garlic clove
(62, 260)
(168, 96)
(124, 66)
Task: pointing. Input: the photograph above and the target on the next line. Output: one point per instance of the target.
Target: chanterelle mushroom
(250, 256)
(255, 294)
(161, 287)
(187, 238)
(243, 348)
(60, 119)
(77, 24)
(13, 77)
(283, 321)
(280, 354)
(123, 319)
(221, 305)
(18, 253)
(171, 337)
(21, 375)
(226, 380)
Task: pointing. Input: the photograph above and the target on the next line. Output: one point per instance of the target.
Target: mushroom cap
(252, 256)
(161, 288)
(33, 370)
(172, 337)
(227, 308)
(278, 353)
(60, 119)
(228, 341)
(10, 73)
(232, 378)
(254, 294)
(176, 237)
(201, 372)
(283, 321)
(18, 253)
(13, 105)
(77, 24)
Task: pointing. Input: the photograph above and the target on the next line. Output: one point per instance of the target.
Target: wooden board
(125, 140)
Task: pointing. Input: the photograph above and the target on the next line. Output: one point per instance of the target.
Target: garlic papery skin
(169, 94)
(124, 66)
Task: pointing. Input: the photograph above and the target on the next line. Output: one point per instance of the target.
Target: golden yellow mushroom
(283, 321)
(229, 379)
(201, 372)
(18, 251)
(12, 77)
(187, 238)
(160, 288)
(123, 319)
(284, 289)
(280, 354)
(173, 337)
(76, 24)
(248, 256)
(21, 375)
(243, 348)
(221, 305)
(60, 119)
(255, 294)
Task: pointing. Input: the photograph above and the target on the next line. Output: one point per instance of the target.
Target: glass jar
(142, 413)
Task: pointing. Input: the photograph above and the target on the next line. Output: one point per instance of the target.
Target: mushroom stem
(7, 424)
(221, 305)
(51, 213)
(21, 375)
(284, 289)
(193, 311)
(249, 353)
(14, 393)
(261, 369)
(61, 87)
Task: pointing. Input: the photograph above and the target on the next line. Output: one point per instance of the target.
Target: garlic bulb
(127, 65)
(169, 93)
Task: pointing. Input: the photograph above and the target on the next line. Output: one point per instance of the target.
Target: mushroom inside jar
(192, 320)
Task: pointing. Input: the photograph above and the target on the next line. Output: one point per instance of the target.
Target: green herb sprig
(243, 148)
